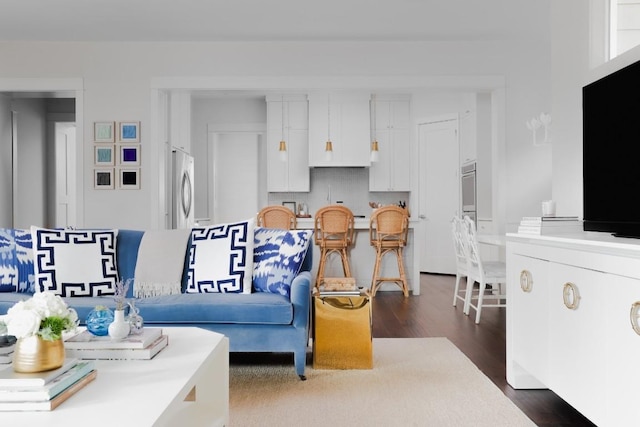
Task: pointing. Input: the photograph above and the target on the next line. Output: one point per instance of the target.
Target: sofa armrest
(301, 299)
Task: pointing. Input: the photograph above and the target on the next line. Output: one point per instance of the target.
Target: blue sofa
(257, 322)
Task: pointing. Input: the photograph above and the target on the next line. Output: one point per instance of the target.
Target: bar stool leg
(403, 276)
(376, 272)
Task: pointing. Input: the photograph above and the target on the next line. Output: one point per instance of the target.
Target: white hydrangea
(25, 317)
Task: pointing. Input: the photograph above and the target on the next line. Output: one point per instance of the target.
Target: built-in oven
(468, 189)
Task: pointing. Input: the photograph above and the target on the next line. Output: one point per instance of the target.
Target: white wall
(5, 163)
(117, 78)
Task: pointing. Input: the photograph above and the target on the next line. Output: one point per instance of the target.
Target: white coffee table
(155, 392)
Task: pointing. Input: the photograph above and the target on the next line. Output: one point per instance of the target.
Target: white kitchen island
(362, 258)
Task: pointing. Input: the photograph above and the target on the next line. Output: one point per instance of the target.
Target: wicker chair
(277, 217)
(388, 231)
(333, 233)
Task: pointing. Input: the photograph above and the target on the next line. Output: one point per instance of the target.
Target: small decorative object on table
(98, 320)
(119, 328)
(38, 324)
(136, 322)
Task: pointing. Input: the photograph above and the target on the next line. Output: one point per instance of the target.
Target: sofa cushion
(221, 258)
(277, 258)
(75, 262)
(16, 261)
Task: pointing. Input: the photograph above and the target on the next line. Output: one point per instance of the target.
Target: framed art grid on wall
(129, 132)
(103, 131)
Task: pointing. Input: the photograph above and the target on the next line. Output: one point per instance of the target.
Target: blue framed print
(129, 132)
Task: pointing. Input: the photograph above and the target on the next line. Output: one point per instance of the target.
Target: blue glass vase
(98, 321)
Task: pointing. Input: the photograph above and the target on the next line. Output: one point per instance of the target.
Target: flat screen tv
(611, 149)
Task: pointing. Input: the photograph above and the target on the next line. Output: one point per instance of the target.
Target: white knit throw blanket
(160, 263)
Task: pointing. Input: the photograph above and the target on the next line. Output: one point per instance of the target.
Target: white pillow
(75, 262)
(221, 258)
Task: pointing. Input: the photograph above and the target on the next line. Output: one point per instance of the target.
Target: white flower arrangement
(45, 314)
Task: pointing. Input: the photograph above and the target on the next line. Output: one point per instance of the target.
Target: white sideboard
(570, 320)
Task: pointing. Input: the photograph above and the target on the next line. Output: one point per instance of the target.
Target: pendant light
(282, 149)
(328, 148)
(375, 154)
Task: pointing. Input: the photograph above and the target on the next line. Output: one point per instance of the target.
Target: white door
(65, 159)
(439, 193)
(234, 163)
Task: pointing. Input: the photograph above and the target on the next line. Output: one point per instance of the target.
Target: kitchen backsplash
(331, 185)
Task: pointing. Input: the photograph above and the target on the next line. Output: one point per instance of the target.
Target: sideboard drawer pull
(635, 312)
(526, 280)
(570, 296)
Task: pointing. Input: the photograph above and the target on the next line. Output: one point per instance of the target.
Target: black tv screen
(611, 152)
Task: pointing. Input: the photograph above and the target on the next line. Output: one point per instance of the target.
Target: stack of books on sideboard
(44, 391)
(545, 225)
(143, 346)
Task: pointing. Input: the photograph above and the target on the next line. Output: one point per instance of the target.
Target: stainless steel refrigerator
(182, 190)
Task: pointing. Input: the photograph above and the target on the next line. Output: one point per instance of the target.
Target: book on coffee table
(121, 353)
(49, 390)
(85, 340)
(50, 404)
(6, 358)
(10, 378)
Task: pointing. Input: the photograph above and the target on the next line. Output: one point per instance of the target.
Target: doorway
(233, 175)
(439, 188)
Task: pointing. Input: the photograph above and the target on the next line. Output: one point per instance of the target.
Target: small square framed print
(103, 131)
(129, 132)
(104, 155)
(129, 178)
(129, 155)
(103, 179)
(290, 205)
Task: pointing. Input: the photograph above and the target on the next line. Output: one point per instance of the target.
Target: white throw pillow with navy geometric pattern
(221, 258)
(74, 263)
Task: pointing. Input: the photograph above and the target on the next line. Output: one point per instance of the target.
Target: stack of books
(144, 346)
(6, 353)
(44, 391)
(543, 225)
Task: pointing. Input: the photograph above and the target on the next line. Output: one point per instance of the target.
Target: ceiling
(273, 20)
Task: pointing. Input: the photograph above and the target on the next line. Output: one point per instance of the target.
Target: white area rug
(414, 382)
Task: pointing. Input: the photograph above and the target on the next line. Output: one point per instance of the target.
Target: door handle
(422, 216)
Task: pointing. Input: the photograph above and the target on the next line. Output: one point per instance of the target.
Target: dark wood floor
(431, 314)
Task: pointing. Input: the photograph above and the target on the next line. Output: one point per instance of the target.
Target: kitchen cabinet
(343, 118)
(587, 349)
(288, 119)
(392, 172)
(468, 136)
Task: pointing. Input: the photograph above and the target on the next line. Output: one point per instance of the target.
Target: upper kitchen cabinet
(288, 120)
(390, 119)
(344, 120)
(180, 120)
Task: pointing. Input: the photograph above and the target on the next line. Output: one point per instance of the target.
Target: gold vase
(33, 354)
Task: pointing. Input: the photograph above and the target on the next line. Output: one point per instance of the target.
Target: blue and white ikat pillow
(277, 258)
(73, 263)
(221, 258)
(16, 261)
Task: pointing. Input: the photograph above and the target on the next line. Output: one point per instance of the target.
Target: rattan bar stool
(277, 217)
(333, 233)
(388, 231)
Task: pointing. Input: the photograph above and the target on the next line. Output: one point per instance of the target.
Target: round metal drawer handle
(634, 313)
(570, 296)
(526, 280)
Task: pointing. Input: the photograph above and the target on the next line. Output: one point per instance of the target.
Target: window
(624, 25)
